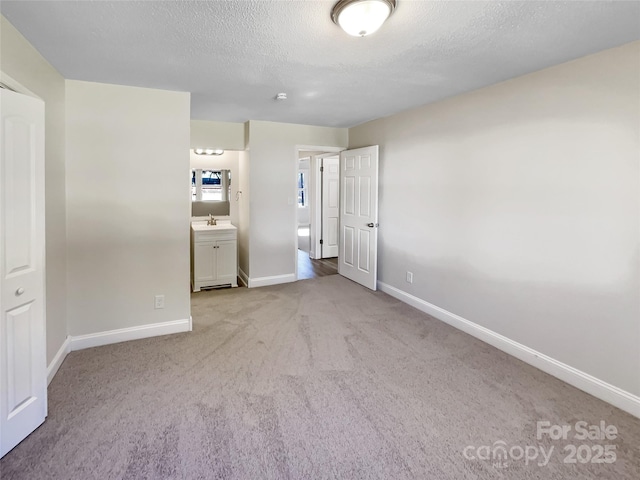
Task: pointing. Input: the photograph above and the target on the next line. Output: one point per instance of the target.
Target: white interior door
(330, 206)
(358, 259)
(23, 380)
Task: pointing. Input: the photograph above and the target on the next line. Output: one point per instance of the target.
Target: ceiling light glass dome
(362, 17)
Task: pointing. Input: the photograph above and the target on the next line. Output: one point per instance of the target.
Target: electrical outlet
(159, 301)
(409, 277)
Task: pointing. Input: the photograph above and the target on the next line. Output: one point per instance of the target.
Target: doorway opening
(312, 199)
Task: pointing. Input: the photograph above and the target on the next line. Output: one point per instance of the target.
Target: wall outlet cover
(159, 301)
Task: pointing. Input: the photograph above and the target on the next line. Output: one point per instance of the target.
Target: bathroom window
(209, 188)
(302, 190)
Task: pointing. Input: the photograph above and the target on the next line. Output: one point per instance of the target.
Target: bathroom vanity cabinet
(214, 255)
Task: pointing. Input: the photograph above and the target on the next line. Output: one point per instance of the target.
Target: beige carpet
(320, 379)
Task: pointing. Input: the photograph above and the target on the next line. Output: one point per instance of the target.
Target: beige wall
(244, 212)
(127, 212)
(24, 64)
(225, 135)
(273, 213)
(517, 208)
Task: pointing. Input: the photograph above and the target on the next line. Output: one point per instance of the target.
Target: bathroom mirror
(210, 191)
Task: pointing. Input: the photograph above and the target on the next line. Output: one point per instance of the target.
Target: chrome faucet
(211, 221)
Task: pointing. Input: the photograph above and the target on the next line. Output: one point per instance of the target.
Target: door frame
(331, 150)
(16, 86)
(309, 189)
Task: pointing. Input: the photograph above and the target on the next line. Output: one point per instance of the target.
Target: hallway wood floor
(308, 268)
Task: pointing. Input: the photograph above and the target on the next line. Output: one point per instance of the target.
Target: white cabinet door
(23, 379)
(205, 267)
(226, 261)
(358, 259)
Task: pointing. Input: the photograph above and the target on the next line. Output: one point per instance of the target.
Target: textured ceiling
(235, 56)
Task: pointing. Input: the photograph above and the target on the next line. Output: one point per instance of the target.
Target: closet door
(23, 380)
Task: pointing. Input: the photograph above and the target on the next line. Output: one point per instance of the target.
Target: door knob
(371, 225)
(19, 291)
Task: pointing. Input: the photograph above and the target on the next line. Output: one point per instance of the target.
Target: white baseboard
(54, 366)
(275, 280)
(604, 391)
(132, 333)
(244, 279)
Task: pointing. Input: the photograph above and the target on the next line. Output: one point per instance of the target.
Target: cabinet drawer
(213, 236)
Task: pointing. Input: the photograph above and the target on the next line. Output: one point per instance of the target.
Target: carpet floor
(320, 379)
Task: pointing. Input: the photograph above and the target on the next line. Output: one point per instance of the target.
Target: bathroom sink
(222, 225)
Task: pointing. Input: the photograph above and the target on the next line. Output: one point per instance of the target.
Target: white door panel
(350, 195)
(332, 234)
(349, 246)
(359, 216)
(23, 382)
(20, 322)
(330, 206)
(364, 264)
(365, 196)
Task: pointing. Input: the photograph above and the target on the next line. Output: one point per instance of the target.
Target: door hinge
(321, 242)
(322, 169)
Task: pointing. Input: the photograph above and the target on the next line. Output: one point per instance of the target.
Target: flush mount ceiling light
(207, 151)
(362, 17)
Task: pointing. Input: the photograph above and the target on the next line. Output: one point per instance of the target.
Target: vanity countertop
(203, 227)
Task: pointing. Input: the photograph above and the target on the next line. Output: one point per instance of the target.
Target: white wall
(23, 63)
(517, 208)
(273, 191)
(127, 207)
